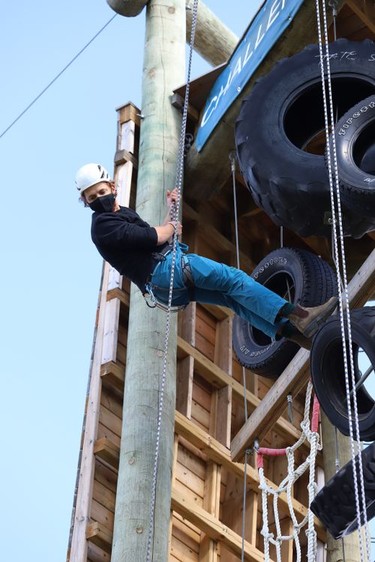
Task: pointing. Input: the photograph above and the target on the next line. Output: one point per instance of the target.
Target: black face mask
(103, 204)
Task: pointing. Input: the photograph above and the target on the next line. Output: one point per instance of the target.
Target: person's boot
(289, 332)
(308, 320)
(300, 340)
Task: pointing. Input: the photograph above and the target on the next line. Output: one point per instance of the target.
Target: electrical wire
(57, 77)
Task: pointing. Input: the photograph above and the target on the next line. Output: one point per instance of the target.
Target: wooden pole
(128, 8)
(164, 69)
(214, 41)
(351, 543)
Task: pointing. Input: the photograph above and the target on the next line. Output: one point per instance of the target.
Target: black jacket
(127, 242)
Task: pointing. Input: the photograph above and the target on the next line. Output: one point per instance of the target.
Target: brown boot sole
(311, 329)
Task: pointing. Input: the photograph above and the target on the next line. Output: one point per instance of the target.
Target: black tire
(309, 280)
(335, 503)
(280, 138)
(328, 374)
(355, 145)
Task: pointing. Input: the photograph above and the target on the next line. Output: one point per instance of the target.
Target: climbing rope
(339, 256)
(310, 435)
(232, 158)
(176, 214)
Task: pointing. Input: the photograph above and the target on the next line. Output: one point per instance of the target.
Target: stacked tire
(280, 140)
(335, 504)
(299, 276)
(286, 163)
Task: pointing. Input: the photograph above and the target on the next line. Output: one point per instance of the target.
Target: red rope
(315, 415)
(270, 452)
(279, 452)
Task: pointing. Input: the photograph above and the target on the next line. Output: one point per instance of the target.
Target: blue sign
(267, 26)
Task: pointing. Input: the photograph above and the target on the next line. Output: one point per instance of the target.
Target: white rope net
(271, 494)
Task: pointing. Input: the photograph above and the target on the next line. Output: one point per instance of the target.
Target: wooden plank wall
(207, 487)
(207, 491)
(93, 509)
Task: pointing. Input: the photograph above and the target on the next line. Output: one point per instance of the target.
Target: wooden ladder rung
(98, 534)
(107, 451)
(113, 376)
(118, 293)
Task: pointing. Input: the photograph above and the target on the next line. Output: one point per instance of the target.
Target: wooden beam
(98, 534)
(77, 547)
(354, 6)
(213, 527)
(113, 376)
(110, 335)
(111, 280)
(297, 373)
(107, 451)
(210, 233)
(219, 379)
(214, 41)
(129, 112)
(178, 102)
(362, 287)
(123, 156)
(118, 293)
(218, 453)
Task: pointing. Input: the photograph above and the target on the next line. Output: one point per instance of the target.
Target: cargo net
(309, 434)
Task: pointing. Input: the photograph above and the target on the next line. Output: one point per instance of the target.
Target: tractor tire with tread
(280, 139)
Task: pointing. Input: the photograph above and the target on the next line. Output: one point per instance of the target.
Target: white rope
(286, 486)
(238, 264)
(346, 332)
(179, 179)
(232, 159)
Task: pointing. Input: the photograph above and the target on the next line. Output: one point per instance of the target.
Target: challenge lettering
(253, 41)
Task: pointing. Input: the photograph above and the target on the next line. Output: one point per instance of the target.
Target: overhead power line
(56, 77)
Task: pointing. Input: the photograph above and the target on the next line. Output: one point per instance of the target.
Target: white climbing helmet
(90, 174)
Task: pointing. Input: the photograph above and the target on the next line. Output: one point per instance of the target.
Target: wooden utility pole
(163, 70)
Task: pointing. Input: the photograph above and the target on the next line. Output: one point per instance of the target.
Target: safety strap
(152, 302)
(187, 276)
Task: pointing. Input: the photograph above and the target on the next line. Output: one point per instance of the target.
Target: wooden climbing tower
(211, 432)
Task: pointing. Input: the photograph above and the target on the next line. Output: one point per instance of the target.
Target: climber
(143, 254)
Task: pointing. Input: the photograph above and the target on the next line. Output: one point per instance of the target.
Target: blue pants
(217, 283)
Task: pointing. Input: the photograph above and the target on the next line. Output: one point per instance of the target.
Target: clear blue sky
(50, 269)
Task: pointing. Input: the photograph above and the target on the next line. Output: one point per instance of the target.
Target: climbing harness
(150, 298)
(187, 276)
(339, 254)
(179, 178)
